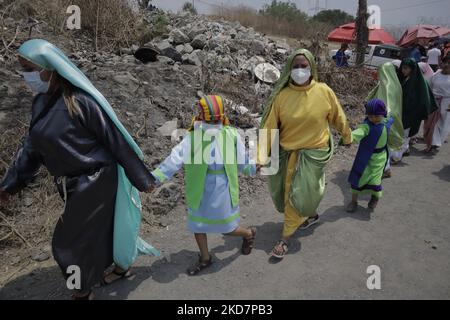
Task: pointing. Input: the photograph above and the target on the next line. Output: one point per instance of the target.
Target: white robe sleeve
(174, 162)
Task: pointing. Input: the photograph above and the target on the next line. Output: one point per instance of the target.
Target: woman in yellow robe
(302, 109)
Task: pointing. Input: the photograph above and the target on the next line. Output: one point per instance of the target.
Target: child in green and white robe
(212, 190)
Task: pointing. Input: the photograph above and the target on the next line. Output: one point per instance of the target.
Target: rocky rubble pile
(226, 46)
(195, 56)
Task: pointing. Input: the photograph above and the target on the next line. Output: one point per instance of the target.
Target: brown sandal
(280, 254)
(121, 275)
(199, 266)
(248, 244)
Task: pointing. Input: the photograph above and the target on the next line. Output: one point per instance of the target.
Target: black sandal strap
(200, 266)
(121, 275)
(282, 242)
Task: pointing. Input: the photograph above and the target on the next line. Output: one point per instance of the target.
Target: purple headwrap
(376, 107)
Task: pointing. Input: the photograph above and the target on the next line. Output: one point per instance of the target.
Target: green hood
(389, 90)
(286, 77)
(418, 99)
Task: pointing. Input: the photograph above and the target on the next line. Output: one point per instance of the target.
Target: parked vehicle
(375, 56)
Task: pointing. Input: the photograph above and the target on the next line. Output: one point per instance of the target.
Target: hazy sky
(393, 12)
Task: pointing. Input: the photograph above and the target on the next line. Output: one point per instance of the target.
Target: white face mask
(33, 79)
(301, 75)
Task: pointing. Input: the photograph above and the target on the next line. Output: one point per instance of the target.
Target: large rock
(193, 58)
(166, 60)
(166, 49)
(179, 37)
(199, 42)
(258, 47)
(232, 33)
(283, 45)
(183, 49)
(233, 46)
(180, 48)
(195, 31)
(163, 45)
(213, 43)
(188, 48)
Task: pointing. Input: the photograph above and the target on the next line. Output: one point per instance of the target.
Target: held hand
(258, 168)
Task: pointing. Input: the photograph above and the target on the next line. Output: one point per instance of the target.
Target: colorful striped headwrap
(212, 109)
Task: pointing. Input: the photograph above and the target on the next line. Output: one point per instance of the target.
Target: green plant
(160, 22)
(189, 7)
(334, 17)
(284, 11)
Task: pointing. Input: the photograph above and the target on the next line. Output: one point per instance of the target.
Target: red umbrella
(422, 34)
(347, 33)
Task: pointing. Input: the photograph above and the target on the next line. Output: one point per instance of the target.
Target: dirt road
(408, 237)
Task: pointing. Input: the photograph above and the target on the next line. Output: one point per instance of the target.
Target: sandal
(89, 296)
(199, 266)
(310, 222)
(121, 275)
(284, 249)
(247, 244)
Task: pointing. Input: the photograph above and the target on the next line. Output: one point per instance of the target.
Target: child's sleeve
(360, 133)
(243, 158)
(174, 162)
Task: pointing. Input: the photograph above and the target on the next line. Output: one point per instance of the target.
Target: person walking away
(440, 84)
(434, 56)
(212, 154)
(341, 56)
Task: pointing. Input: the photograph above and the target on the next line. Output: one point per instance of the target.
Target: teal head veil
(127, 243)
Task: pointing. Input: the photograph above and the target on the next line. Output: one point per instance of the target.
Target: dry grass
(249, 17)
(108, 24)
(33, 218)
(111, 23)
